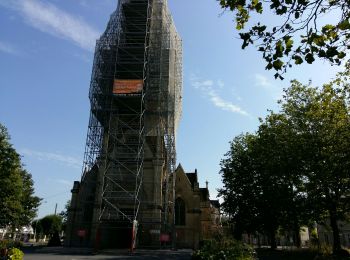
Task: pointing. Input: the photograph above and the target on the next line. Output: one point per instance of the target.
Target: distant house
(22, 234)
(325, 234)
(197, 217)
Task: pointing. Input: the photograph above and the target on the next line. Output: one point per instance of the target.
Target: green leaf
(298, 59)
(277, 64)
(344, 25)
(289, 43)
(309, 58)
(319, 40)
(269, 66)
(327, 27)
(259, 8)
(331, 52)
(322, 54)
(341, 55)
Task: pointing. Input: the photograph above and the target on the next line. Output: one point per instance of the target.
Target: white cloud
(67, 160)
(7, 48)
(48, 18)
(262, 81)
(226, 105)
(200, 84)
(207, 88)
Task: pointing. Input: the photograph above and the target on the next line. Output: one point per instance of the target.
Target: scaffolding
(164, 98)
(135, 96)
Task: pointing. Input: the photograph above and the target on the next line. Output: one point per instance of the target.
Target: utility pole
(56, 209)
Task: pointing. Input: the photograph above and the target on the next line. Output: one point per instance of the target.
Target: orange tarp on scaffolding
(127, 86)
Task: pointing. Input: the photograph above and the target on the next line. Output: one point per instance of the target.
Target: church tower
(126, 189)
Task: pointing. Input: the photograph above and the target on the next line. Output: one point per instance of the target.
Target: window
(180, 212)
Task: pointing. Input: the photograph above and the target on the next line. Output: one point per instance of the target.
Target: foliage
(29, 202)
(49, 224)
(225, 249)
(301, 36)
(3, 244)
(9, 250)
(18, 205)
(10, 181)
(38, 229)
(295, 168)
(321, 118)
(64, 214)
(326, 254)
(10, 243)
(15, 254)
(240, 187)
(54, 239)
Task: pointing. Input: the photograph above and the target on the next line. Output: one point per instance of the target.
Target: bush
(9, 250)
(15, 254)
(224, 250)
(6, 244)
(3, 244)
(55, 240)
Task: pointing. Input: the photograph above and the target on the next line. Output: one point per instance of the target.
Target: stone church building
(197, 218)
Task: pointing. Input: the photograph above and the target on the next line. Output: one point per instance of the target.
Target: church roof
(204, 194)
(215, 203)
(192, 177)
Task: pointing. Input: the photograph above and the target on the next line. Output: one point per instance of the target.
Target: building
(325, 233)
(20, 234)
(125, 193)
(197, 218)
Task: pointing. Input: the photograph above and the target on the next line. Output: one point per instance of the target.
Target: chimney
(206, 184)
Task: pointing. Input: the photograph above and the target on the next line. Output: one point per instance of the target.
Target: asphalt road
(82, 254)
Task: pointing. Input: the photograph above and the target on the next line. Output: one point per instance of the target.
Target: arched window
(180, 212)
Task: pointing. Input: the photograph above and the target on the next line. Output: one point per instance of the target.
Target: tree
(18, 205)
(29, 202)
(38, 229)
(277, 154)
(240, 190)
(263, 187)
(295, 169)
(50, 224)
(301, 35)
(322, 118)
(64, 214)
(10, 181)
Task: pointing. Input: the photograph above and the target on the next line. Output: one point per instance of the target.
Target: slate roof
(192, 177)
(215, 203)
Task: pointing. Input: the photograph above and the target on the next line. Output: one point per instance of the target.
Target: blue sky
(46, 54)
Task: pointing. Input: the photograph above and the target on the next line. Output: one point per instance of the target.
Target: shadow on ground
(60, 253)
(299, 254)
